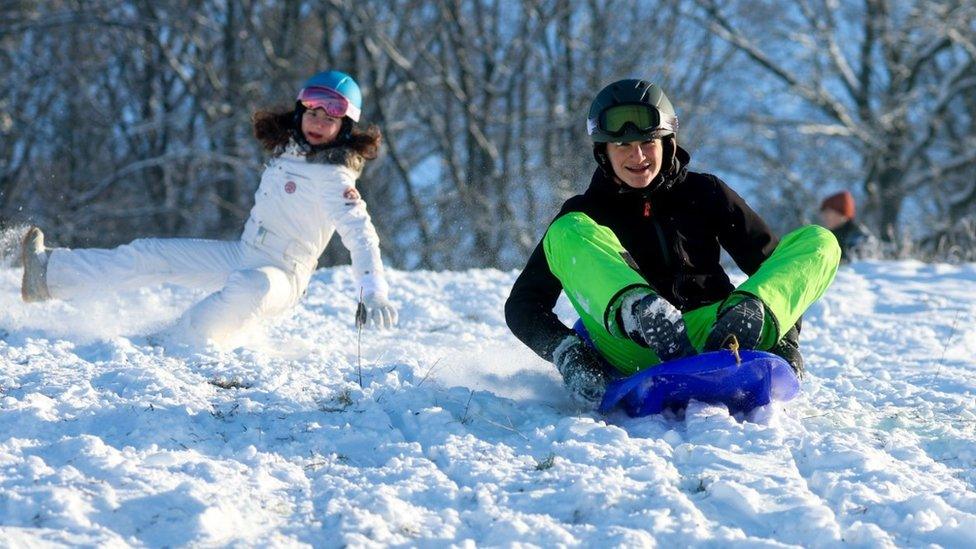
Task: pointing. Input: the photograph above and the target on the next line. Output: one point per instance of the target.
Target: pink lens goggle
(330, 101)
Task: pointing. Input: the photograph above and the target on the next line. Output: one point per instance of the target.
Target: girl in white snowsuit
(307, 192)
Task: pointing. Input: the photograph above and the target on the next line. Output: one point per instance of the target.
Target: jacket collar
(339, 155)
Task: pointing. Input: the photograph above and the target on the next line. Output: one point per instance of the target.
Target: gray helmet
(630, 110)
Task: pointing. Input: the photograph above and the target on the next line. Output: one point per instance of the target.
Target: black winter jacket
(674, 235)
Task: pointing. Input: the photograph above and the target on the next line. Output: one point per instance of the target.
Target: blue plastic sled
(709, 377)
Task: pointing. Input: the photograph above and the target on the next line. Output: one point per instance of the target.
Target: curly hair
(274, 127)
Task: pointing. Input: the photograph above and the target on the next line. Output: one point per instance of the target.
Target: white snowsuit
(299, 204)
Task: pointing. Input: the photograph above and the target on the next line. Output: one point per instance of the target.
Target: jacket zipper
(663, 243)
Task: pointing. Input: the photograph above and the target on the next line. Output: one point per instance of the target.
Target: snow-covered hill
(461, 436)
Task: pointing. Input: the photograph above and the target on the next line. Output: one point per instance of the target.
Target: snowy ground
(461, 436)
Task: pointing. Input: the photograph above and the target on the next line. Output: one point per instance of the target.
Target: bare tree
(487, 133)
(874, 92)
(132, 119)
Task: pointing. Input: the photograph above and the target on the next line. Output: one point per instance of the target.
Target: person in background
(307, 193)
(837, 213)
(638, 256)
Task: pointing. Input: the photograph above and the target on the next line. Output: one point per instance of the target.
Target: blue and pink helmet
(335, 92)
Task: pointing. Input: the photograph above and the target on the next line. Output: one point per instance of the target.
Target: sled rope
(361, 318)
(734, 347)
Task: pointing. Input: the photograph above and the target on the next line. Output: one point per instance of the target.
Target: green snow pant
(589, 261)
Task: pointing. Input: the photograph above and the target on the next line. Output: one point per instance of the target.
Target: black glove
(583, 372)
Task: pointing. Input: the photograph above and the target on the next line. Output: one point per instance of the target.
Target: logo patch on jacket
(290, 187)
(350, 194)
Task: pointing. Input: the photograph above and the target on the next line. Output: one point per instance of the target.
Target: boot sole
(746, 326)
(668, 339)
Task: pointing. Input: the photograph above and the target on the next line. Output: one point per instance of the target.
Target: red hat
(842, 203)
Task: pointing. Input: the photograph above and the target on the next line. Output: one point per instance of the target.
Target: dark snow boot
(744, 320)
(651, 321)
(789, 349)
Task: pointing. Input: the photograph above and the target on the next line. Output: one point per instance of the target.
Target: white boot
(33, 287)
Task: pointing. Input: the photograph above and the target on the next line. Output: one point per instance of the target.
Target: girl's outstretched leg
(247, 296)
(194, 263)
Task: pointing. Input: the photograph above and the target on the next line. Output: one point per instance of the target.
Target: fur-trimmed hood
(339, 155)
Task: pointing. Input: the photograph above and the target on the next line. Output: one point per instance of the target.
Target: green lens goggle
(645, 119)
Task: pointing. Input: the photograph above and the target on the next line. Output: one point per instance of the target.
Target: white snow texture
(460, 436)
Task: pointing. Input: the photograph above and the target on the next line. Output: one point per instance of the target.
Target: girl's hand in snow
(380, 313)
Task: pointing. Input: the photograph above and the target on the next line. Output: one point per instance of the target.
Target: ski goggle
(330, 101)
(645, 119)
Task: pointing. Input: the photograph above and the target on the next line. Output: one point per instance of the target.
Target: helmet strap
(603, 159)
(345, 131)
(671, 153)
(298, 113)
(666, 178)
